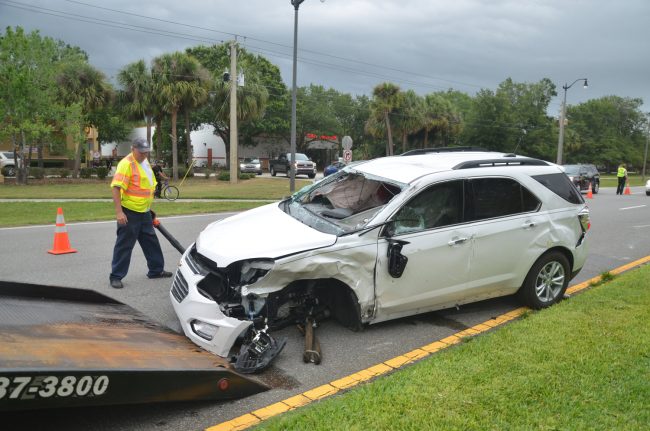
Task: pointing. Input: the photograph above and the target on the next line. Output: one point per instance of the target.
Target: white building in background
(208, 148)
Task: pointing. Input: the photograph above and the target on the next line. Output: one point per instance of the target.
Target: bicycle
(168, 192)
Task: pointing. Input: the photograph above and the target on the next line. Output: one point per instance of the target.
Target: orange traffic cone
(61, 241)
(627, 189)
(590, 194)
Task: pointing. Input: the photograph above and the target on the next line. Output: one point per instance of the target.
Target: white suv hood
(264, 232)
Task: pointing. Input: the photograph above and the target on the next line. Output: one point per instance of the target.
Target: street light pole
(292, 166)
(560, 142)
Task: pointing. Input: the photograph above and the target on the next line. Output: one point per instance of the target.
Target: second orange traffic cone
(590, 194)
(627, 189)
(61, 241)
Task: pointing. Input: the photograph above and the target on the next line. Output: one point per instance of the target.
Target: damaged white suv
(379, 240)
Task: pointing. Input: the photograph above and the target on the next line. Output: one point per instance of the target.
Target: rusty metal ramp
(63, 347)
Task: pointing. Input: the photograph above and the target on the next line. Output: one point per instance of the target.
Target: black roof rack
(500, 162)
(419, 151)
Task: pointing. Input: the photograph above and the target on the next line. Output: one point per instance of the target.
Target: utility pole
(234, 165)
(647, 138)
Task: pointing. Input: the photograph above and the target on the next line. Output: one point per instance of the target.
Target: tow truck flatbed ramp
(63, 347)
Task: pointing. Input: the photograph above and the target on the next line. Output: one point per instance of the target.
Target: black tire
(312, 176)
(595, 187)
(273, 171)
(171, 193)
(546, 281)
(10, 171)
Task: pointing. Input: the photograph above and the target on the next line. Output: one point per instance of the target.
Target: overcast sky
(352, 45)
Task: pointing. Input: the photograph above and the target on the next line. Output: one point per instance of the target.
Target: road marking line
(631, 208)
(249, 419)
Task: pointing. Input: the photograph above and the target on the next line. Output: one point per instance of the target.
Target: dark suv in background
(583, 175)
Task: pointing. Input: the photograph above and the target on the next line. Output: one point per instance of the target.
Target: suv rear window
(561, 186)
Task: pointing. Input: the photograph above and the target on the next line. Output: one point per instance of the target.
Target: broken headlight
(253, 270)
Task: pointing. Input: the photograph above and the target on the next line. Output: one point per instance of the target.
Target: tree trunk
(390, 135)
(77, 155)
(404, 138)
(426, 138)
(19, 160)
(160, 139)
(174, 145)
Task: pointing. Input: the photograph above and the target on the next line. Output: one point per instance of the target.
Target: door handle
(529, 224)
(456, 241)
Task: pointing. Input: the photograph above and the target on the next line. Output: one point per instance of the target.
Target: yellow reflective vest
(136, 187)
(622, 172)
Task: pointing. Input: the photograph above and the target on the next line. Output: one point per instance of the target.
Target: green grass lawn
(612, 181)
(192, 188)
(583, 364)
(35, 213)
(30, 213)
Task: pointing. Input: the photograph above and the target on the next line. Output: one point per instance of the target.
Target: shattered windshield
(342, 202)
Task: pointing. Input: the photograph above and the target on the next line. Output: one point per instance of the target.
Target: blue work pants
(139, 228)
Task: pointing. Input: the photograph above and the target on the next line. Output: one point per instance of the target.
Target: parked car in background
(251, 165)
(582, 175)
(380, 240)
(303, 165)
(333, 168)
(7, 163)
(647, 188)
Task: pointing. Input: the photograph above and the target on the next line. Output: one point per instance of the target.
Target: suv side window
(437, 206)
(498, 197)
(561, 185)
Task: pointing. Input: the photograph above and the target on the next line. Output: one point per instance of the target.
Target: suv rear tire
(595, 186)
(546, 281)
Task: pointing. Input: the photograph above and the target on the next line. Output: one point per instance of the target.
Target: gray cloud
(426, 45)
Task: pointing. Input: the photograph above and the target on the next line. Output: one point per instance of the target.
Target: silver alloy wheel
(549, 281)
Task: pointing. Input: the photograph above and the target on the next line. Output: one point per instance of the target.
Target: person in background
(621, 174)
(160, 176)
(132, 188)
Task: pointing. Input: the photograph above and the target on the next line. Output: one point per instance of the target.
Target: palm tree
(138, 93)
(409, 116)
(440, 116)
(174, 86)
(386, 97)
(195, 97)
(81, 84)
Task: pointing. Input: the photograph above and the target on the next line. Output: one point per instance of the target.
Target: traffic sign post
(347, 156)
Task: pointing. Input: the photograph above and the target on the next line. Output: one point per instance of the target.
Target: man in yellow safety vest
(132, 187)
(622, 179)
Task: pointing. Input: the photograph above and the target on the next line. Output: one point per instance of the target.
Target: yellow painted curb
(324, 391)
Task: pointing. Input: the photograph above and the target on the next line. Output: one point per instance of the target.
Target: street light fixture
(560, 142)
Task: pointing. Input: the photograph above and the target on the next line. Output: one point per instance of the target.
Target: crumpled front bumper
(192, 307)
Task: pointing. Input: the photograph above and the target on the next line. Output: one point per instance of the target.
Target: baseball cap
(141, 145)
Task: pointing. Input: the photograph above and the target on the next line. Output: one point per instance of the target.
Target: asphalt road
(620, 234)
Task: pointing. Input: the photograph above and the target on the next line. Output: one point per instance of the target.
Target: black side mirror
(396, 260)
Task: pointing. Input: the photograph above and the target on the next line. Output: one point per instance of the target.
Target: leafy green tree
(81, 86)
(386, 97)
(263, 102)
(177, 80)
(513, 118)
(138, 94)
(408, 117)
(606, 131)
(29, 107)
